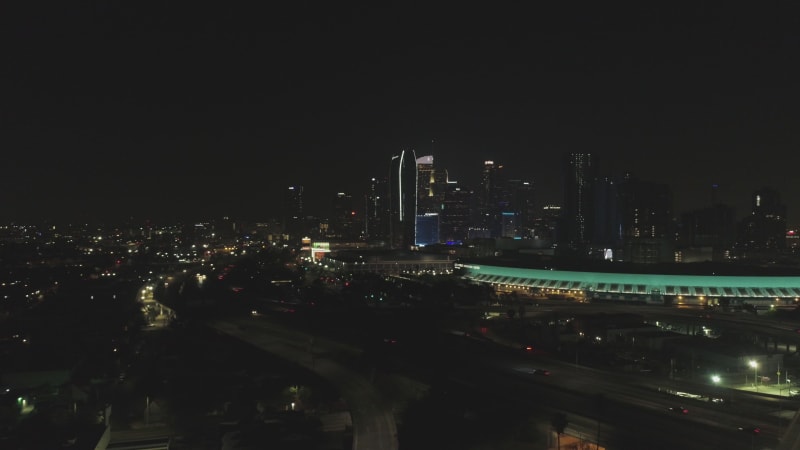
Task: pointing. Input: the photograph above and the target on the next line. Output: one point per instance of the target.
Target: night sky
(178, 111)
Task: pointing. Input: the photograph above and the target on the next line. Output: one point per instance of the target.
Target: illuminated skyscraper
(712, 228)
(493, 199)
(293, 219)
(455, 219)
(577, 213)
(427, 229)
(403, 200)
(765, 227)
(431, 186)
(425, 184)
(376, 211)
(521, 203)
(646, 221)
(345, 222)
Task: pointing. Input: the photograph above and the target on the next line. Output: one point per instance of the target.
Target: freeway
(778, 414)
(374, 426)
(635, 411)
(617, 410)
(791, 439)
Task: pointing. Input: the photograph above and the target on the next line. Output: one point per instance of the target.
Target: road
(374, 426)
(634, 413)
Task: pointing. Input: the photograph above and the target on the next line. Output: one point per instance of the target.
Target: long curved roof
(637, 283)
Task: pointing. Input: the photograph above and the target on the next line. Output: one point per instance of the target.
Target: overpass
(374, 426)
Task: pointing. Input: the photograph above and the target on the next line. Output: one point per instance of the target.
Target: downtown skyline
(113, 112)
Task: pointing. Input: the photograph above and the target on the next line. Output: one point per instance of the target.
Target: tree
(559, 423)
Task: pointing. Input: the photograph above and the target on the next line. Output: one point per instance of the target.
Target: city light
(754, 365)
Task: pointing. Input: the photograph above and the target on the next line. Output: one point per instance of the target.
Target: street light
(754, 365)
(715, 379)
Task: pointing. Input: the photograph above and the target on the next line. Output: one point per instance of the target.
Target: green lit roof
(706, 285)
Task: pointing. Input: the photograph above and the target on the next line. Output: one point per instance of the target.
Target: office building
(578, 208)
(403, 200)
(293, 214)
(764, 230)
(455, 220)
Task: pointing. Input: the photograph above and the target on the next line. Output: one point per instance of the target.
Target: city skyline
(189, 113)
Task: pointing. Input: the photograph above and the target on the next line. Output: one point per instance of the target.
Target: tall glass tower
(578, 210)
(293, 219)
(403, 199)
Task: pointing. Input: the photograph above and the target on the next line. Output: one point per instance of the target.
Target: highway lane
(778, 418)
(791, 439)
(764, 325)
(636, 411)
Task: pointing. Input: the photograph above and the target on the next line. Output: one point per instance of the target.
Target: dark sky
(167, 110)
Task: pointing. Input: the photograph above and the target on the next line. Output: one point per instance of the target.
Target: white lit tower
(403, 200)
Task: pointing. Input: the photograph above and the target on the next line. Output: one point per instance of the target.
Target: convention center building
(759, 291)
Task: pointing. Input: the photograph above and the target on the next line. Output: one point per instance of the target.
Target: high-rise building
(345, 223)
(425, 185)
(440, 178)
(607, 230)
(522, 204)
(645, 211)
(455, 220)
(493, 199)
(765, 228)
(508, 225)
(578, 208)
(546, 225)
(293, 218)
(711, 228)
(376, 211)
(403, 200)
(427, 229)
(431, 188)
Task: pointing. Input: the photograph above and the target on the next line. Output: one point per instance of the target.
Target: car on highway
(679, 409)
(530, 349)
(533, 371)
(752, 429)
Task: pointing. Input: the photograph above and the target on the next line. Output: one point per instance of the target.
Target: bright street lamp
(754, 365)
(715, 379)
